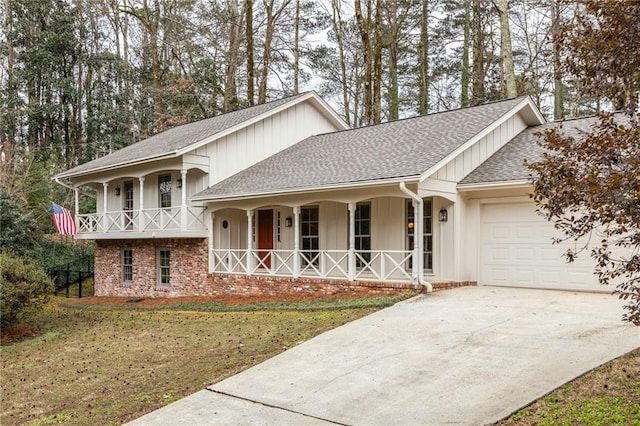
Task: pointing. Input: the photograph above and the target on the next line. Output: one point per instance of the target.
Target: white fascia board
(261, 117)
(534, 119)
(525, 183)
(163, 156)
(350, 185)
(141, 235)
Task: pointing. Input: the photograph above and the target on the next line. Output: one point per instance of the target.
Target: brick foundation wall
(190, 277)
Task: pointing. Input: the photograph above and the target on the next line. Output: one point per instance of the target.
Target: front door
(265, 236)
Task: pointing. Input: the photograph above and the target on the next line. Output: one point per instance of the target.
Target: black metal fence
(71, 273)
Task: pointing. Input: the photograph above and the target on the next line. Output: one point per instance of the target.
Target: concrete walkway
(466, 356)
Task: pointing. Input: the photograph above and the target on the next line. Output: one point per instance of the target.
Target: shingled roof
(399, 149)
(507, 164)
(177, 138)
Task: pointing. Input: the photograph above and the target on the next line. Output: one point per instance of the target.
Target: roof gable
(398, 150)
(181, 139)
(507, 164)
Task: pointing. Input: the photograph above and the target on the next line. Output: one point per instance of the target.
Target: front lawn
(109, 366)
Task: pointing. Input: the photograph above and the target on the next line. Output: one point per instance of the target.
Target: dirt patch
(15, 333)
(227, 299)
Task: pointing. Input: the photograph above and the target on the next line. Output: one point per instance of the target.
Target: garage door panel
(517, 250)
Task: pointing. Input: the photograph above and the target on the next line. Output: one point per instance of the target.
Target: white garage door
(517, 250)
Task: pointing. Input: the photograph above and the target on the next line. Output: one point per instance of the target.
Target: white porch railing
(371, 265)
(148, 220)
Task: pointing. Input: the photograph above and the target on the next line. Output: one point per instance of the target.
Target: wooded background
(81, 78)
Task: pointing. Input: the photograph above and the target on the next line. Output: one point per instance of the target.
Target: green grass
(607, 395)
(111, 366)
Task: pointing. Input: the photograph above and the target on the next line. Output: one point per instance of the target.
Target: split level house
(284, 196)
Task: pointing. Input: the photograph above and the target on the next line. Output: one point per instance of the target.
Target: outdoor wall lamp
(288, 222)
(443, 215)
(179, 183)
(116, 191)
(410, 225)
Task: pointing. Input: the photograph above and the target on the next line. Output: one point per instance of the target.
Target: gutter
(417, 231)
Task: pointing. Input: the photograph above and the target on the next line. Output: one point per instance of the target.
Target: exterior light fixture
(179, 183)
(410, 225)
(116, 191)
(288, 222)
(443, 215)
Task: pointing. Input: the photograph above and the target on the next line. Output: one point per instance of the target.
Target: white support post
(141, 215)
(76, 206)
(105, 220)
(296, 241)
(211, 223)
(352, 241)
(249, 241)
(419, 231)
(183, 206)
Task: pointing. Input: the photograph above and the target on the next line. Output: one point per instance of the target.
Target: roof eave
(294, 191)
(483, 186)
(163, 156)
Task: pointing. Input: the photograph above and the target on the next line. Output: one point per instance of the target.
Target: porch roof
(176, 140)
(507, 164)
(397, 150)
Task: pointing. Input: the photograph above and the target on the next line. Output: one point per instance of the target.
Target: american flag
(63, 220)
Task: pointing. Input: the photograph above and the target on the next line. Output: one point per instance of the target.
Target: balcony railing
(184, 218)
(369, 265)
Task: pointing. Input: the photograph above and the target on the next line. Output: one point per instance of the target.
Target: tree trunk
(338, 28)
(423, 83)
(296, 50)
(477, 90)
(558, 104)
(250, 61)
(510, 89)
(230, 96)
(464, 77)
(364, 27)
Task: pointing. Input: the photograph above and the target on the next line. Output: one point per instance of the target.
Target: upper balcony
(182, 221)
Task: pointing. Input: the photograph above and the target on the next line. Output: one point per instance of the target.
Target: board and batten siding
(254, 143)
(473, 156)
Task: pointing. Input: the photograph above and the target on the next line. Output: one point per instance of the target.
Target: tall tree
(506, 50)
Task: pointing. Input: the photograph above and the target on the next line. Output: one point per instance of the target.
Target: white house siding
(258, 141)
(477, 153)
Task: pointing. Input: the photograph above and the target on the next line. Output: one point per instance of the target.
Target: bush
(23, 285)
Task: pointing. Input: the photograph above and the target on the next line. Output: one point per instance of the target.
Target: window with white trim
(164, 266)
(427, 231)
(164, 189)
(127, 265)
(363, 233)
(309, 235)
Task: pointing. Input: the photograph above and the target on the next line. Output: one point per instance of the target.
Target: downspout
(418, 235)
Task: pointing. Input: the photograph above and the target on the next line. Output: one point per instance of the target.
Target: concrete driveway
(471, 355)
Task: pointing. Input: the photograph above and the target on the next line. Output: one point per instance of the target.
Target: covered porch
(366, 234)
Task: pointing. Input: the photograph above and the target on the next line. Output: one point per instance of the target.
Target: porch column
(183, 207)
(352, 241)
(76, 207)
(211, 223)
(250, 214)
(105, 220)
(296, 241)
(141, 215)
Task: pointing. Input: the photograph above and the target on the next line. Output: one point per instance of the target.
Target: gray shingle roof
(177, 138)
(507, 164)
(398, 149)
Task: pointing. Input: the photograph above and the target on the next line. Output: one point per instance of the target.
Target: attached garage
(516, 250)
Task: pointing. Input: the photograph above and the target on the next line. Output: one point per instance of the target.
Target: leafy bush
(23, 285)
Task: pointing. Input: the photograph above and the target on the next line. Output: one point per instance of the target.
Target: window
(427, 233)
(127, 265)
(164, 188)
(363, 234)
(164, 262)
(309, 239)
(128, 204)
